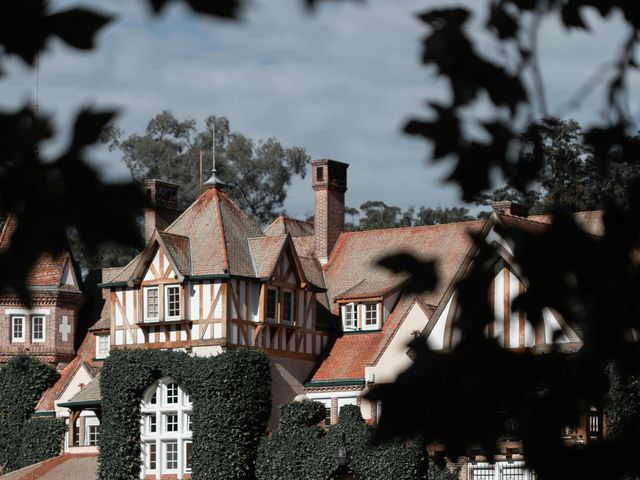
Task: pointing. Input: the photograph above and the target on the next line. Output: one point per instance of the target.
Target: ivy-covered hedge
(303, 449)
(231, 396)
(23, 380)
(41, 439)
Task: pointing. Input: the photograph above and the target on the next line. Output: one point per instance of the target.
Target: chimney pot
(507, 207)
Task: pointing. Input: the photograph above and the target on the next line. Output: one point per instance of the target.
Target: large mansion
(333, 322)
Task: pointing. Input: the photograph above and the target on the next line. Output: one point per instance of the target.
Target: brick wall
(329, 180)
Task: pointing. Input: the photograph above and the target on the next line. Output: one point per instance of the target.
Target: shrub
(231, 399)
(303, 449)
(23, 380)
(41, 439)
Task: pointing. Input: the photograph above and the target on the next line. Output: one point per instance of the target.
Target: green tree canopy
(257, 172)
(571, 176)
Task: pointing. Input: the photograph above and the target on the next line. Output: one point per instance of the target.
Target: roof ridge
(417, 227)
(527, 219)
(164, 232)
(222, 238)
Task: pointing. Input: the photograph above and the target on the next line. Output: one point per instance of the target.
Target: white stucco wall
(395, 360)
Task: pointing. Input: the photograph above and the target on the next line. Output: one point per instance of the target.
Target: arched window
(165, 430)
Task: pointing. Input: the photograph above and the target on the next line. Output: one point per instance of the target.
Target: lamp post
(341, 457)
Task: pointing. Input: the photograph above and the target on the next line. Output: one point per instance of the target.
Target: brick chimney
(507, 207)
(329, 181)
(164, 198)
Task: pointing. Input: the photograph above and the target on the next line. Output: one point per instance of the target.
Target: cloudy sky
(341, 83)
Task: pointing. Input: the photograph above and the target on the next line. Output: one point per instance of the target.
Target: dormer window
(151, 304)
(172, 296)
(371, 318)
(361, 316)
(350, 316)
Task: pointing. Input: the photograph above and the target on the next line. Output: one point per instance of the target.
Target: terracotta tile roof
(352, 352)
(305, 246)
(524, 224)
(124, 273)
(296, 228)
(48, 269)
(354, 257)
(372, 288)
(265, 252)
(219, 233)
(91, 392)
(312, 271)
(104, 321)
(178, 249)
(211, 237)
(590, 221)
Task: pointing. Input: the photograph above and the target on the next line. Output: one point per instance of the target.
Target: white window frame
(167, 303)
(363, 322)
(92, 442)
(350, 313)
(165, 456)
(292, 309)
(15, 338)
(147, 454)
(145, 295)
(151, 420)
(33, 329)
(175, 425)
(266, 307)
(327, 405)
(160, 438)
(187, 469)
(100, 351)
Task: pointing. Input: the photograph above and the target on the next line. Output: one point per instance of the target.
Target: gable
(510, 329)
(159, 268)
(68, 276)
(285, 269)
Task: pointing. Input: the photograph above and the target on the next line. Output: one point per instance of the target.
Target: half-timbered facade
(332, 320)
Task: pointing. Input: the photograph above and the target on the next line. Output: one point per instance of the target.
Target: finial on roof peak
(215, 182)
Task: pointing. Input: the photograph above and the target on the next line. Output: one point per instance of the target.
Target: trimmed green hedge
(41, 439)
(23, 380)
(231, 396)
(303, 449)
(297, 450)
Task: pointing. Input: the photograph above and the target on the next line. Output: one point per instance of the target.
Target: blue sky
(341, 83)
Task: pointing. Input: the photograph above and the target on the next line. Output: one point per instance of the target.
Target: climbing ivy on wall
(23, 380)
(41, 439)
(231, 397)
(303, 449)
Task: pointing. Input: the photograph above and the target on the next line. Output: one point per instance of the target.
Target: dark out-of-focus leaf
(467, 72)
(571, 16)
(444, 131)
(505, 25)
(215, 8)
(26, 25)
(77, 26)
(422, 275)
(56, 195)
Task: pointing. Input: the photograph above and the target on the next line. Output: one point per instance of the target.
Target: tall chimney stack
(163, 197)
(329, 181)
